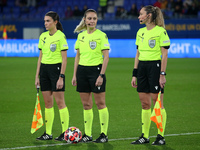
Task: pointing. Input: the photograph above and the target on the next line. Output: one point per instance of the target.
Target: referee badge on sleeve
(53, 47)
(152, 43)
(93, 44)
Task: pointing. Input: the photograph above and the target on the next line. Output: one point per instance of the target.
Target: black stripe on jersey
(166, 47)
(154, 37)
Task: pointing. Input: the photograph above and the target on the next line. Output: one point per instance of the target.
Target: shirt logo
(166, 41)
(93, 44)
(152, 43)
(53, 47)
(43, 40)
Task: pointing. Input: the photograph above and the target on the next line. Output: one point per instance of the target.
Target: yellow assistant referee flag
(156, 115)
(37, 116)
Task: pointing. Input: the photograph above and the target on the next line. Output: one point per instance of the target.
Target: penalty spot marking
(120, 139)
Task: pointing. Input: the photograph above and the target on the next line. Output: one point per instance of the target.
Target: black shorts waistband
(50, 64)
(153, 61)
(90, 66)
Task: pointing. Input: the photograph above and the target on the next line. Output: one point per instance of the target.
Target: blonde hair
(82, 26)
(157, 16)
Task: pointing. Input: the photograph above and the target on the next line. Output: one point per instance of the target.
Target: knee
(61, 104)
(100, 105)
(48, 104)
(87, 105)
(146, 105)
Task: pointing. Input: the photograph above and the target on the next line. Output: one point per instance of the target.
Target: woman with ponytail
(50, 73)
(152, 41)
(89, 73)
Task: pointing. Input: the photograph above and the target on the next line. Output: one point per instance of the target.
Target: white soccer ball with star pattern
(73, 135)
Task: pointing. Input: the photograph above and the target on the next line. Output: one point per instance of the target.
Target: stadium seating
(11, 11)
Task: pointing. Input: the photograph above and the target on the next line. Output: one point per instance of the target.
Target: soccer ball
(73, 135)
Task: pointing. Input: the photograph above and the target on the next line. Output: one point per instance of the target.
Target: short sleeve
(164, 39)
(137, 40)
(77, 43)
(63, 43)
(104, 42)
(40, 45)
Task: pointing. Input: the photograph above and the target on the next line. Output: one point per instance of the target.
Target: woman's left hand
(162, 81)
(99, 81)
(59, 84)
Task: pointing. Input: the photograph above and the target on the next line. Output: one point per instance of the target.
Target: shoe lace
(85, 137)
(102, 135)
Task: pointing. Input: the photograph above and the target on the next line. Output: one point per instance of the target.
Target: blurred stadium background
(23, 19)
(29, 10)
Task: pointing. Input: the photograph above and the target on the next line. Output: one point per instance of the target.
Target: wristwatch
(62, 75)
(102, 75)
(163, 73)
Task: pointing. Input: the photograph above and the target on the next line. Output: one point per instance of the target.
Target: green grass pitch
(181, 100)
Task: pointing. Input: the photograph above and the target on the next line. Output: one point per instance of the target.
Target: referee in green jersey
(89, 73)
(149, 69)
(50, 74)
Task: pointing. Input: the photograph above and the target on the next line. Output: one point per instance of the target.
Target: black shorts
(86, 78)
(148, 76)
(49, 75)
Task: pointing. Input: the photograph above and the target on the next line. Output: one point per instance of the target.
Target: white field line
(120, 139)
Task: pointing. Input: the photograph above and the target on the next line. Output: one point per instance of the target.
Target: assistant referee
(89, 73)
(50, 74)
(149, 69)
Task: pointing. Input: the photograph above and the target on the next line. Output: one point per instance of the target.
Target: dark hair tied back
(55, 17)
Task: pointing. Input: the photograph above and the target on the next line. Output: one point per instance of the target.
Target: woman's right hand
(37, 82)
(74, 81)
(133, 82)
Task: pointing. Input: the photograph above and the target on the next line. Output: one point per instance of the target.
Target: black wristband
(134, 72)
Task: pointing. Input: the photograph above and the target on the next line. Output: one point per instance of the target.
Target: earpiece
(145, 19)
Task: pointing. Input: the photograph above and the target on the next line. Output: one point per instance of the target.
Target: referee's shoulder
(60, 32)
(142, 29)
(44, 33)
(100, 32)
(82, 32)
(160, 28)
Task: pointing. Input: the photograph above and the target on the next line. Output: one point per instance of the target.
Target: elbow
(107, 58)
(64, 60)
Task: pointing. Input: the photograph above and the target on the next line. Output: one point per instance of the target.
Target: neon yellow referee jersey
(90, 47)
(52, 46)
(149, 43)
